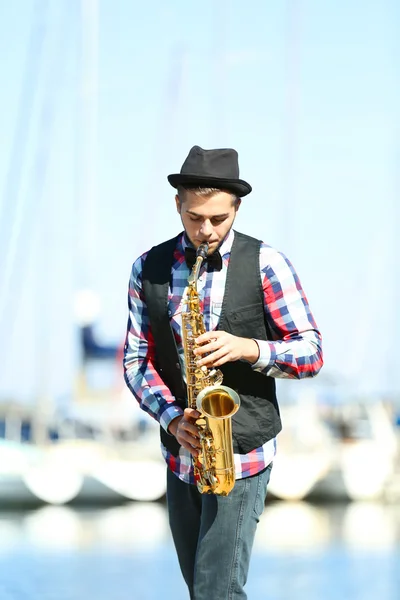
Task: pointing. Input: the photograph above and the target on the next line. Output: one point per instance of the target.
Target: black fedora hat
(211, 168)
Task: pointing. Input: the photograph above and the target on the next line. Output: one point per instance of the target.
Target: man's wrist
(267, 356)
(173, 426)
(171, 412)
(251, 352)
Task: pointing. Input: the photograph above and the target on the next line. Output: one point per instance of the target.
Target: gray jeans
(214, 535)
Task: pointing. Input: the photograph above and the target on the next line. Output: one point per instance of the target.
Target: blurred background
(100, 102)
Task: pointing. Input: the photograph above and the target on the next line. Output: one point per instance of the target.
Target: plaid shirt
(294, 352)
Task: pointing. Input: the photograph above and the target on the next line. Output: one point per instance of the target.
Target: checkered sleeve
(140, 373)
(295, 350)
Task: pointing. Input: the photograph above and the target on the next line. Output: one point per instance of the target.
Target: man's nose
(206, 229)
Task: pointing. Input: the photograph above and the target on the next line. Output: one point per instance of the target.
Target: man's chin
(210, 244)
(212, 247)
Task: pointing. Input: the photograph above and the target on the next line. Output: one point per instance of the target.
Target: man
(258, 327)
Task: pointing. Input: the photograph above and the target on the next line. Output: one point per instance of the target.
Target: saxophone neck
(201, 255)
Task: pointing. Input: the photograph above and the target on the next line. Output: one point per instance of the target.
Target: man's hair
(203, 192)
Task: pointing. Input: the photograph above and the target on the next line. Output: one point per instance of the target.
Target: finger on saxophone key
(191, 413)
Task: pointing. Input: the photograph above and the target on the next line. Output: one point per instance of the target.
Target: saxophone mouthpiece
(202, 251)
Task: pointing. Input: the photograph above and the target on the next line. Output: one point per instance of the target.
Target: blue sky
(306, 91)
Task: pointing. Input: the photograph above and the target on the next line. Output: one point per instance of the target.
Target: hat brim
(237, 186)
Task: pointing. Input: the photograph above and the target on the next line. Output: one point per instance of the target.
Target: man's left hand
(222, 347)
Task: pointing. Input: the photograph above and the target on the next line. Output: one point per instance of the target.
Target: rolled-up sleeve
(140, 373)
(294, 349)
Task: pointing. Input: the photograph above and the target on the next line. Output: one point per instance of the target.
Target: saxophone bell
(215, 465)
(218, 402)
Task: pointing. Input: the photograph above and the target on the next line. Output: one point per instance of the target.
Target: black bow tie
(214, 261)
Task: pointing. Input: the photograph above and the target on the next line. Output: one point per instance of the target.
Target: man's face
(207, 219)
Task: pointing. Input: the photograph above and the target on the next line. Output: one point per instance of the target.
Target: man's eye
(194, 218)
(218, 221)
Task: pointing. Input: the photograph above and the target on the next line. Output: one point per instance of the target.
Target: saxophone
(214, 467)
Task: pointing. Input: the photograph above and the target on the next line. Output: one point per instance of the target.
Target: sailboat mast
(291, 121)
(87, 151)
(86, 203)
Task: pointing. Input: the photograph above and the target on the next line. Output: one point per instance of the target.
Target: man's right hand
(185, 430)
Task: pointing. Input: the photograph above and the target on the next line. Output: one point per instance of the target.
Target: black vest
(242, 314)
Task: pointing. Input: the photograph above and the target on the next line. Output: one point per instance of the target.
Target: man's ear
(178, 204)
(238, 203)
